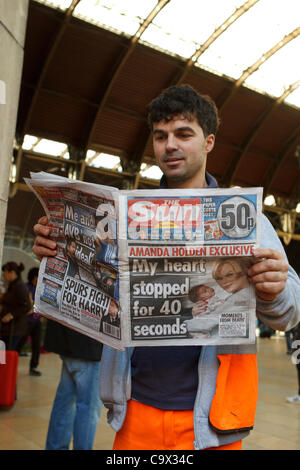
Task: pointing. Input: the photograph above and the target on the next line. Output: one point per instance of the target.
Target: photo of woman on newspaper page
(230, 291)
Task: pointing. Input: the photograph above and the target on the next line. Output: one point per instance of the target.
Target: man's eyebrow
(185, 128)
(178, 129)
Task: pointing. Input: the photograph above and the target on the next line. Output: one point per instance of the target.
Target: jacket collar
(210, 180)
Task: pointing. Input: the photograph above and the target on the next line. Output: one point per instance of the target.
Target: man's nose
(171, 143)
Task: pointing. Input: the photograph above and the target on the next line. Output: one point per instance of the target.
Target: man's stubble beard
(187, 174)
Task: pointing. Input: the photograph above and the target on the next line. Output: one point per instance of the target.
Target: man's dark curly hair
(184, 100)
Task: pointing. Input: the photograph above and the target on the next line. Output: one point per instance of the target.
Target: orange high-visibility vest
(234, 403)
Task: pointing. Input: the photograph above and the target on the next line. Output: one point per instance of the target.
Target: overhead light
(269, 200)
(13, 173)
(72, 173)
(104, 160)
(29, 142)
(50, 147)
(152, 172)
(61, 4)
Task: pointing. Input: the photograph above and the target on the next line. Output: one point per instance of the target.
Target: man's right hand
(43, 246)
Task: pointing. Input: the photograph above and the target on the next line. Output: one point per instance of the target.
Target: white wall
(13, 18)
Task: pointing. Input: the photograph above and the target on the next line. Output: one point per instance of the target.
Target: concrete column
(13, 18)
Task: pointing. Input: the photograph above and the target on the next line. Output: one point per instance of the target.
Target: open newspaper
(149, 267)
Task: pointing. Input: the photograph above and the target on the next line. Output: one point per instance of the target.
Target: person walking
(15, 305)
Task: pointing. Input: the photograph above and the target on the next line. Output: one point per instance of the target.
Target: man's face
(71, 249)
(142, 234)
(113, 310)
(167, 235)
(188, 234)
(6, 275)
(180, 149)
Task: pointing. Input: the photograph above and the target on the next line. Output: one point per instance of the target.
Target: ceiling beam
(178, 79)
(53, 47)
(289, 146)
(293, 236)
(256, 128)
(38, 85)
(213, 37)
(228, 94)
(132, 44)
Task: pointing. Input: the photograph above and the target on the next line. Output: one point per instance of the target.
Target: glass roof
(94, 159)
(227, 37)
(45, 146)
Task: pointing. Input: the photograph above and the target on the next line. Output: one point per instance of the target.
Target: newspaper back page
(80, 286)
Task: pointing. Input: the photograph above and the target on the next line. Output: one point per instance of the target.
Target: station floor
(24, 426)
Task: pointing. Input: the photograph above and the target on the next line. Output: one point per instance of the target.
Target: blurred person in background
(15, 305)
(295, 346)
(296, 360)
(77, 406)
(34, 326)
(290, 337)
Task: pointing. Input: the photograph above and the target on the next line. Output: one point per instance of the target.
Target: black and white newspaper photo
(178, 264)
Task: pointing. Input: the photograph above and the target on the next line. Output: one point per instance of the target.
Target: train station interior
(76, 79)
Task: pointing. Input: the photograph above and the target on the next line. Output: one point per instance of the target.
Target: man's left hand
(269, 273)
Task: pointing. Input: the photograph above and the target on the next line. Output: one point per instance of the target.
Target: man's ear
(210, 143)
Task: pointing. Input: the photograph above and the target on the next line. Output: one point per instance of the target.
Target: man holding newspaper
(191, 397)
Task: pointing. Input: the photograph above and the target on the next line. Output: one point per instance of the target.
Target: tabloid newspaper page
(188, 257)
(150, 268)
(80, 286)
